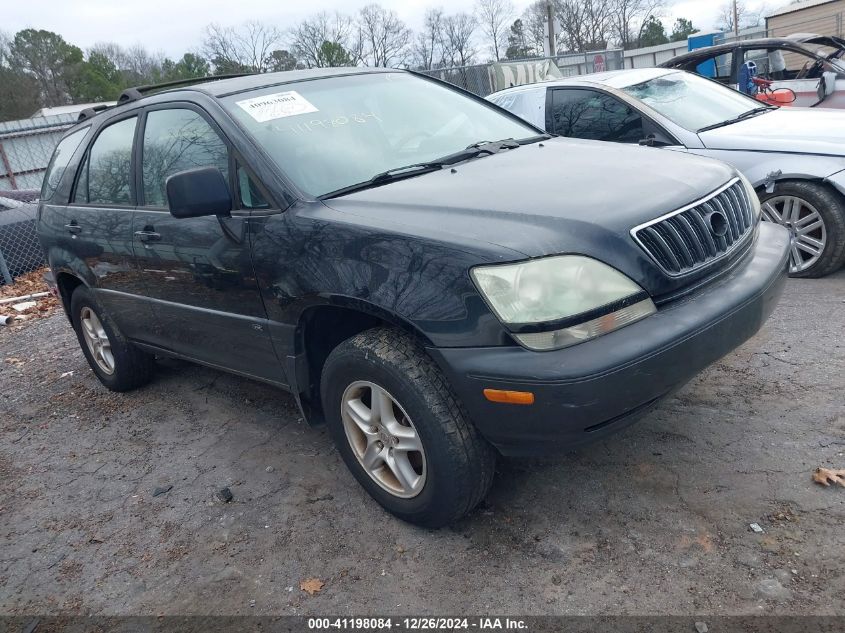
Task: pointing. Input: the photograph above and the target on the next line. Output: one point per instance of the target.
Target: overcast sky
(175, 26)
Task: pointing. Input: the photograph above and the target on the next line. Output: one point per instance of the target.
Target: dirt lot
(653, 521)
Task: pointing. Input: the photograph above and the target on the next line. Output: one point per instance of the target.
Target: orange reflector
(509, 397)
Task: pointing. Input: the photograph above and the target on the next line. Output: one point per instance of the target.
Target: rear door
(197, 271)
(97, 224)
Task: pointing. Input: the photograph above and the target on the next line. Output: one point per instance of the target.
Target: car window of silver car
(691, 101)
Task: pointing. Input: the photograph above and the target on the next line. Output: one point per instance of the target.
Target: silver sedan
(795, 157)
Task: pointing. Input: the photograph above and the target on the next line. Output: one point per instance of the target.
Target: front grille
(697, 235)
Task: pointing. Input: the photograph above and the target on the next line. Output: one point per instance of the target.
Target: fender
(761, 167)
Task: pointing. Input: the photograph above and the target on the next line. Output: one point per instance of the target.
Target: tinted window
(176, 140)
(106, 175)
(251, 196)
(108, 168)
(593, 115)
(58, 164)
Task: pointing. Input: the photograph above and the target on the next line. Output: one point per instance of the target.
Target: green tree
(280, 60)
(49, 59)
(682, 30)
(19, 96)
(653, 33)
(332, 54)
(190, 66)
(96, 79)
(518, 47)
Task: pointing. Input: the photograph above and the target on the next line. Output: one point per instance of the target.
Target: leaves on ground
(24, 285)
(827, 476)
(312, 586)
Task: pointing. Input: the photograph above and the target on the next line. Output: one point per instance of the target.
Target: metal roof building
(26, 147)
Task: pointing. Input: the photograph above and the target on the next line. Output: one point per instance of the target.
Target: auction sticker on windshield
(276, 106)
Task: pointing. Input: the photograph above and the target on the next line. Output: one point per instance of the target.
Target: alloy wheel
(806, 227)
(383, 439)
(97, 340)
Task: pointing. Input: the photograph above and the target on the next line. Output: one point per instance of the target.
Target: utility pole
(736, 19)
(550, 15)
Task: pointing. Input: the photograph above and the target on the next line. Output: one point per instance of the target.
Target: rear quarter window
(58, 163)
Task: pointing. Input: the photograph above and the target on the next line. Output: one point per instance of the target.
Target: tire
(455, 467)
(131, 368)
(829, 206)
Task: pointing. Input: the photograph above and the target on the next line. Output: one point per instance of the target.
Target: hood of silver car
(791, 130)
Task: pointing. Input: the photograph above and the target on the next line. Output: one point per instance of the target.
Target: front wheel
(815, 218)
(401, 431)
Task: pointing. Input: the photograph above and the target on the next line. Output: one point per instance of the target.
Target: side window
(61, 157)
(719, 68)
(106, 175)
(250, 195)
(176, 140)
(594, 115)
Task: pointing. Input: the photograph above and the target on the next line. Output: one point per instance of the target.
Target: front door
(198, 271)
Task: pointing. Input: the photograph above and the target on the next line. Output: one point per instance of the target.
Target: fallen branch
(34, 295)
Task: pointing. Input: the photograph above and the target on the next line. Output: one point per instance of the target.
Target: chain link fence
(25, 150)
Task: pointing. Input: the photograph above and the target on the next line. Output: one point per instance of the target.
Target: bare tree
(534, 24)
(495, 17)
(585, 24)
(136, 64)
(747, 17)
(307, 39)
(628, 18)
(458, 31)
(246, 48)
(427, 47)
(382, 38)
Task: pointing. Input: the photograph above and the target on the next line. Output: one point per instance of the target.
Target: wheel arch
(320, 329)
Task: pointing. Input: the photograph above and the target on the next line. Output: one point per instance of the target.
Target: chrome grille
(695, 236)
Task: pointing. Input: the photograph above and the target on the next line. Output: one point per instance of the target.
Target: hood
(792, 130)
(562, 195)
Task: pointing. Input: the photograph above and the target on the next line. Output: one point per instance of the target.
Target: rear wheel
(815, 218)
(401, 431)
(118, 364)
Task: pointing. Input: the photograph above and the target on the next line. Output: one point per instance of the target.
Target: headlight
(752, 197)
(560, 301)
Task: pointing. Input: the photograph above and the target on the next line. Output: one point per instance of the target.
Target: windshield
(692, 101)
(328, 134)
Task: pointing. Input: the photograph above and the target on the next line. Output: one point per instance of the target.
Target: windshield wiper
(391, 175)
(400, 173)
(741, 117)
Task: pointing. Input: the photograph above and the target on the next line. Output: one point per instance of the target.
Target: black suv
(434, 278)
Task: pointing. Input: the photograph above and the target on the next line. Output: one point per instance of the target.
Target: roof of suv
(225, 87)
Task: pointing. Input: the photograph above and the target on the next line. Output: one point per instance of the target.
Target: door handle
(148, 236)
(73, 228)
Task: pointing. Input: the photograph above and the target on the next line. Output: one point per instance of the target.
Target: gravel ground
(655, 520)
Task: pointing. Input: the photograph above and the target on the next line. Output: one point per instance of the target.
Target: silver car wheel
(383, 439)
(806, 227)
(97, 340)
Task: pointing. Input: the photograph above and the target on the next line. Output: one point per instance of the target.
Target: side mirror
(195, 193)
(655, 140)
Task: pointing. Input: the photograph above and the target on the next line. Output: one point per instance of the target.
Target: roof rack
(133, 94)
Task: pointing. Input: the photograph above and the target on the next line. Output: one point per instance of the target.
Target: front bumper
(585, 392)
